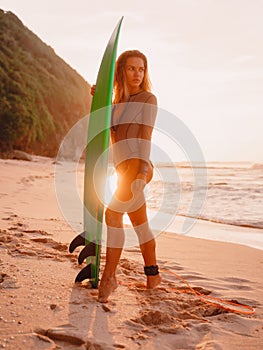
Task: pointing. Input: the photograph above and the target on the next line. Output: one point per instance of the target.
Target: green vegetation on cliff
(41, 96)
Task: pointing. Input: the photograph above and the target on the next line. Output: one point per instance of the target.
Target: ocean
(179, 194)
(228, 193)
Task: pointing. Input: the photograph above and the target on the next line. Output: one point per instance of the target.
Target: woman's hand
(92, 90)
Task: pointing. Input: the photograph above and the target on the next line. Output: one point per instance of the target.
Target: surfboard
(96, 163)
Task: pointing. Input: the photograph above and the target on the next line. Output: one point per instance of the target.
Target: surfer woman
(133, 117)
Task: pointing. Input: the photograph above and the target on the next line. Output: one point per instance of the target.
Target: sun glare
(111, 185)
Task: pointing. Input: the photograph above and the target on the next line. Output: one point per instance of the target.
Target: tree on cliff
(41, 96)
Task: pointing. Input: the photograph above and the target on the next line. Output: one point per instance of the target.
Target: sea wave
(211, 165)
(257, 166)
(225, 221)
(232, 197)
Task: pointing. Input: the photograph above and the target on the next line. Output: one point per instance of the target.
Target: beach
(42, 308)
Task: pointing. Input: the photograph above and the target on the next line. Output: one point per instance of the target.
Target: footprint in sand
(153, 318)
(236, 283)
(7, 282)
(235, 280)
(28, 341)
(38, 232)
(176, 267)
(51, 243)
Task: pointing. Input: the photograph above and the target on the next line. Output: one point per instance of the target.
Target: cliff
(41, 96)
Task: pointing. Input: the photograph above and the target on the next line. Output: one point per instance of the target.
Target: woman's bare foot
(107, 285)
(153, 281)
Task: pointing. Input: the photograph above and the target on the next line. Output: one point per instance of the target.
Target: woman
(133, 118)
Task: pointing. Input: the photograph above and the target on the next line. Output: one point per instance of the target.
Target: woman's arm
(146, 129)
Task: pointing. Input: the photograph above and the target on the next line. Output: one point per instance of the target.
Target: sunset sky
(205, 58)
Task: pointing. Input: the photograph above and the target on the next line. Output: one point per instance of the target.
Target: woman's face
(134, 70)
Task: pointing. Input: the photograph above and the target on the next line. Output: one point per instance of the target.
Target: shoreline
(209, 230)
(223, 232)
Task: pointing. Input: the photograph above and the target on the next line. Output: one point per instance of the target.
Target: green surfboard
(96, 164)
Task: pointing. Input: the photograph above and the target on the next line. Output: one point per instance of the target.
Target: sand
(42, 308)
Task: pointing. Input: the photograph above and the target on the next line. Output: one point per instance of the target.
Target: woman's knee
(113, 218)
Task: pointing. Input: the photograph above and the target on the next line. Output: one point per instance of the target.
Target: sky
(205, 59)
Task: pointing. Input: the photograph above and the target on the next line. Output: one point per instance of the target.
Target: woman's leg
(115, 241)
(146, 239)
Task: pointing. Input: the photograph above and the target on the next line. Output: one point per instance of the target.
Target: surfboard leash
(227, 305)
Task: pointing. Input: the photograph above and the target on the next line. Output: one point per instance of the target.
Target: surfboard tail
(90, 253)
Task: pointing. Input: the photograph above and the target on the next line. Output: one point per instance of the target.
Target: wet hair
(120, 86)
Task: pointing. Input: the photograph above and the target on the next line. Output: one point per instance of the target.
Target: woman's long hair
(121, 92)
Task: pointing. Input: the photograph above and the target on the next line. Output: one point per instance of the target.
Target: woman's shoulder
(145, 97)
(151, 98)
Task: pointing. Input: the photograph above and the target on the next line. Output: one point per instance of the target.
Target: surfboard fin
(88, 250)
(77, 241)
(84, 274)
